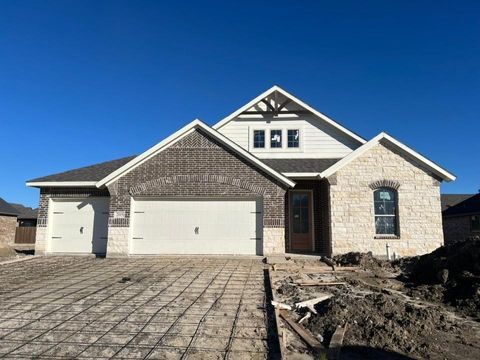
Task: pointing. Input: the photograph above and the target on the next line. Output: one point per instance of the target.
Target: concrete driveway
(152, 308)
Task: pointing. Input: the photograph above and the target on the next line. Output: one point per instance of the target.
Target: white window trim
(265, 137)
(268, 136)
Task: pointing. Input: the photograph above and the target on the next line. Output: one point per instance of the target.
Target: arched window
(385, 203)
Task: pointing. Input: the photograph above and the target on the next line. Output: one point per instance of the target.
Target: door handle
(81, 229)
(197, 230)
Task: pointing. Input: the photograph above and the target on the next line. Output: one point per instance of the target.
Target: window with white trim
(293, 138)
(275, 139)
(259, 139)
(385, 204)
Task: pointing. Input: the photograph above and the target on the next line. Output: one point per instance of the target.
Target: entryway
(301, 220)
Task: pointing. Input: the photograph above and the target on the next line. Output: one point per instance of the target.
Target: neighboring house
(461, 216)
(275, 176)
(8, 222)
(27, 217)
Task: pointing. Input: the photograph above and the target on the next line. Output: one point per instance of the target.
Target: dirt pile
(450, 274)
(6, 251)
(383, 322)
(364, 260)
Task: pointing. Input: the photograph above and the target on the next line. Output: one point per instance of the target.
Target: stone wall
(352, 210)
(196, 166)
(8, 226)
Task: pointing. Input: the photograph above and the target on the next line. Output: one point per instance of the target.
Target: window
(475, 223)
(259, 139)
(293, 138)
(385, 202)
(276, 139)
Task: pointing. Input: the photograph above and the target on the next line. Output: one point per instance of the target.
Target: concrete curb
(28, 257)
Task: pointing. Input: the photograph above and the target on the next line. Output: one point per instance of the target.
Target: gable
(320, 136)
(178, 139)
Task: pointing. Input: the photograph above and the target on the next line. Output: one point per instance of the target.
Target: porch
(307, 225)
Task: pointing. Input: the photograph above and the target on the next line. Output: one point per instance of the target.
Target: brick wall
(7, 229)
(352, 211)
(197, 165)
(457, 228)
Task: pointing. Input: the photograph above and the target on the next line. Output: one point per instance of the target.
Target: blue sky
(88, 81)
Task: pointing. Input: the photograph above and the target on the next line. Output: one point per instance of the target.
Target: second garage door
(208, 226)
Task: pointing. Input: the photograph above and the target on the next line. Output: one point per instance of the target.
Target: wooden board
(302, 332)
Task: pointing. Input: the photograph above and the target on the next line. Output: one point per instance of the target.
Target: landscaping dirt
(388, 312)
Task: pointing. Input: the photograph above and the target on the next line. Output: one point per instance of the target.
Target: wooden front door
(301, 224)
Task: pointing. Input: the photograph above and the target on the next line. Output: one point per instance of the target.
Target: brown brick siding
(198, 165)
(8, 226)
(59, 193)
(320, 215)
(457, 228)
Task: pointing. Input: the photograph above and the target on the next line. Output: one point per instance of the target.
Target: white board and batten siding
(78, 226)
(196, 226)
(317, 138)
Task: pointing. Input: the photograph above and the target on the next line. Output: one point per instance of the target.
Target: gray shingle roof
(97, 172)
(94, 172)
(449, 200)
(469, 205)
(7, 209)
(299, 165)
(25, 212)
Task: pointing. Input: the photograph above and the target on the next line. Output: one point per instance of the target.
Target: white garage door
(196, 227)
(79, 226)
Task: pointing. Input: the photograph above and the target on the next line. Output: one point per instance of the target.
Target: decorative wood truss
(276, 108)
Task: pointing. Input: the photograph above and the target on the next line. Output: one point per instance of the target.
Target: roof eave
(68, 184)
(434, 168)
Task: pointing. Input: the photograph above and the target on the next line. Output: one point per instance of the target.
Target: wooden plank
(282, 341)
(302, 332)
(25, 235)
(336, 343)
(320, 283)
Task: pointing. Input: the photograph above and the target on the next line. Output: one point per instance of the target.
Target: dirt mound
(365, 260)
(450, 274)
(384, 322)
(6, 251)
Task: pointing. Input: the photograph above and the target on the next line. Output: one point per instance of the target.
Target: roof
(25, 212)
(315, 112)
(186, 130)
(469, 205)
(300, 165)
(385, 138)
(7, 209)
(449, 200)
(88, 174)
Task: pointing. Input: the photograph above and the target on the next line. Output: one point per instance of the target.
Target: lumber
(302, 332)
(336, 343)
(310, 304)
(319, 283)
(279, 305)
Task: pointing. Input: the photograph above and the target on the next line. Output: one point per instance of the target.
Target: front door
(301, 232)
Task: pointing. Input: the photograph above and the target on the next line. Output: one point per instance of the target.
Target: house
(461, 216)
(274, 176)
(27, 216)
(8, 222)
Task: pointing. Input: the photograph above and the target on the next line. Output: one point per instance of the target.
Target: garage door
(79, 226)
(196, 227)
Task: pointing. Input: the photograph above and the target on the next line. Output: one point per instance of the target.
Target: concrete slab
(140, 308)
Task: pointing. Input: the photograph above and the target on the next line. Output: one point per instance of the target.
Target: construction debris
(281, 306)
(383, 302)
(310, 304)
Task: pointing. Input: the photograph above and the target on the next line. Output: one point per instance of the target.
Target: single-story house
(8, 222)
(27, 216)
(461, 217)
(274, 176)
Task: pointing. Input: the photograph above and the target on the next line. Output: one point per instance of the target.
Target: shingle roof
(299, 165)
(7, 209)
(25, 212)
(467, 206)
(94, 172)
(449, 200)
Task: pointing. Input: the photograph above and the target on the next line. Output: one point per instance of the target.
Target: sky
(83, 82)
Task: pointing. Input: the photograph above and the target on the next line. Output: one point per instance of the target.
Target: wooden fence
(25, 235)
